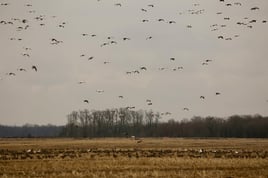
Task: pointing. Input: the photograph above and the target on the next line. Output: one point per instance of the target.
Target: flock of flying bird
(23, 25)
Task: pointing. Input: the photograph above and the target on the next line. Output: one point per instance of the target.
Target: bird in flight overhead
(34, 68)
(81, 82)
(99, 91)
(143, 68)
(186, 109)
(21, 69)
(118, 4)
(11, 74)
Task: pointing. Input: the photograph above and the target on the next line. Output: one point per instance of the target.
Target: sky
(204, 64)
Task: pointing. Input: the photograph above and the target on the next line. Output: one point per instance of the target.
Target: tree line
(125, 122)
(29, 130)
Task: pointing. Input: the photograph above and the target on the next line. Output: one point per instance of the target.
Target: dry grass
(111, 157)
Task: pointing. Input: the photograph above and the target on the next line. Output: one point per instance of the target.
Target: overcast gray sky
(238, 69)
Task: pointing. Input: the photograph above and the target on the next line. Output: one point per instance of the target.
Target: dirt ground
(126, 157)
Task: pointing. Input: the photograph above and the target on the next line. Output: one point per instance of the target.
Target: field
(126, 157)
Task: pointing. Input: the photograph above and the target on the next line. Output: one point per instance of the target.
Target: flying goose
(21, 69)
(34, 68)
(118, 4)
(143, 68)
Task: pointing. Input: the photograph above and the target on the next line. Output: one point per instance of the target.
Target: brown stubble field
(124, 157)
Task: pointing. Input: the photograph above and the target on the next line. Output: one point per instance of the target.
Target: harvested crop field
(126, 157)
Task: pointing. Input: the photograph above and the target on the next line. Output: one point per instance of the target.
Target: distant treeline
(124, 122)
(29, 131)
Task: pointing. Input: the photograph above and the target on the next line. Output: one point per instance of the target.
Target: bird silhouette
(189, 26)
(171, 22)
(149, 38)
(27, 49)
(3, 22)
(104, 44)
(136, 72)
(81, 82)
(118, 4)
(99, 91)
(24, 21)
(34, 68)
(25, 55)
(238, 3)
(21, 69)
(144, 10)
(255, 8)
(143, 68)
(113, 42)
(11, 74)
(126, 38)
(202, 97)
(55, 41)
(86, 101)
